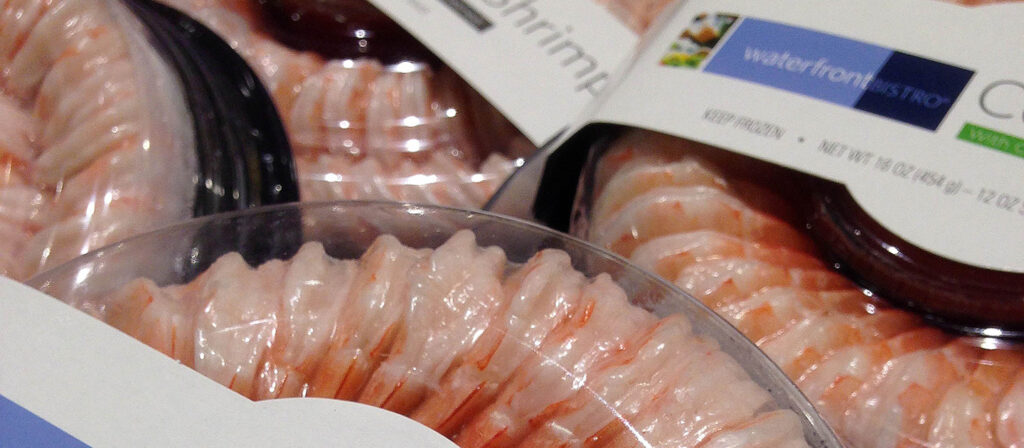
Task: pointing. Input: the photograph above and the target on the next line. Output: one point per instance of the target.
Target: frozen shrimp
(540, 294)
(598, 329)
(881, 376)
(906, 392)
(315, 288)
(668, 255)
(669, 210)
(776, 429)
(1009, 415)
(720, 282)
(237, 323)
(618, 389)
(454, 294)
(158, 317)
(546, 358)
(695, 406)
(326, 115)
(64, 25)
(369, 322)
(966, 414)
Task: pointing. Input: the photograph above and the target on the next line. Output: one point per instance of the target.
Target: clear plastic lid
(490, 330)
(732, 231)
(370, 113)
(100, 138)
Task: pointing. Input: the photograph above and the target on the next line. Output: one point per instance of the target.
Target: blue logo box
(842, 71)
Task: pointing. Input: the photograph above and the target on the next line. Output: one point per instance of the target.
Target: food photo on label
(489, 330)
(100, 137)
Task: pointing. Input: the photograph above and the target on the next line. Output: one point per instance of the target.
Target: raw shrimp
(368, 324)
(454, 294)
(668, 210)
(540, 294)
(598, 329)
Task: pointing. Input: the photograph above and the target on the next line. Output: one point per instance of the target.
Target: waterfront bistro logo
(850, 73)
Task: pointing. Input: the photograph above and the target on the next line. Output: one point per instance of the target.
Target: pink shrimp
(238, 321)
(315, 290)
(158, 317)
(63, 25)
(775, 429)
(367, 326)
(905, 394)
(720, 282)
(669, 210)
(708, 393)
(558, 369)
(966, 414)
(1009, 414)
(638, 179)
(541, 294)
(834, 383)
(454, 295)
(327, 114)
(617, 389)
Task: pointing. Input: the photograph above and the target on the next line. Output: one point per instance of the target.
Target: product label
(918, 111)
(69, 380)
(540, 62)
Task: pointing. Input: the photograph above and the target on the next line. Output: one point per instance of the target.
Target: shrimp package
(113, 122)
(427, 102)
(844, 187)
(463, 328)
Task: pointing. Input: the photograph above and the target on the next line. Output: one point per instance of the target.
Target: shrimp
(906, 392)
(629, 183)
(367, 326)
(840, 379)
(669, 210)
(965, 417)
(237, 324)
(455, 293)
(541, 294)
(17, 149)
(720, 282)
(708, 393)
(315, 290)
(158, 317)
(1009, 415)
(617, 389)
(775, 429)
(326, 115)
(558, 369)
(65, 24)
